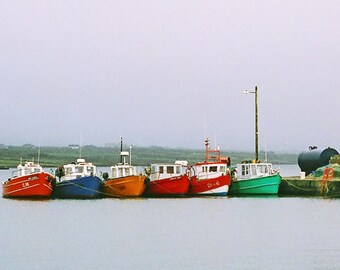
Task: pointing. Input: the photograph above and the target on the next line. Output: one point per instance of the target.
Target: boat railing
(159, 175)
(207, 175)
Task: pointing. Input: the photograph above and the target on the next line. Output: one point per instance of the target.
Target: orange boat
(29, 180)
(124, 180)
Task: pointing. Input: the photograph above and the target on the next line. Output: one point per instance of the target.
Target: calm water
(186, 233)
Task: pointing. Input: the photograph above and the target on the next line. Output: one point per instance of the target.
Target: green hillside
(106, 156)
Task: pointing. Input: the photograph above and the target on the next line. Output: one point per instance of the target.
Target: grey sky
(168, 73)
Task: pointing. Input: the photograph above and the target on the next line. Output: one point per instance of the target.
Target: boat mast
(208, 150)
(121, 149)
(256, 126)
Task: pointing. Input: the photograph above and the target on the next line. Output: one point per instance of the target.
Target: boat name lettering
(26, 184)
(33, 178)
(217, 183)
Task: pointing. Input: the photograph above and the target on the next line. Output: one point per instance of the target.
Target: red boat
(211, 177)
(29, 180)
(168, 180)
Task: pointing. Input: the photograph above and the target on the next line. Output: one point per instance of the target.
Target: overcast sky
(169, 73)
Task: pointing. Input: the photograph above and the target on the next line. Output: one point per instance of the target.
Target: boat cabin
(254, 170)
(163, 171)
(26, 169)
(122, 170)
(211, 170)
(79, 169)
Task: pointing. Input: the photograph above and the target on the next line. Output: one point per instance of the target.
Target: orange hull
(129, 186)
(33, 185)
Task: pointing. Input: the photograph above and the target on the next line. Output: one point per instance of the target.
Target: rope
(336, 194)
(290, 184)
(82, 187)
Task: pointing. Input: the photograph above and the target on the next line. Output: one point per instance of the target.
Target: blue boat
(77, 181)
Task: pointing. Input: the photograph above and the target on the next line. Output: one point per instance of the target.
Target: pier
(294, 186)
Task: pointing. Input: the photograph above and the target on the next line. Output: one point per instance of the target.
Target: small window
(178, 170)
(253, 170)
(89, 169)
(153, 169)
(161, 170)
(222, 169)
(79, 169)
(114, 173)
(120, 172)
(68, 171)
(170, 169)
(213, 169)
(245, 170)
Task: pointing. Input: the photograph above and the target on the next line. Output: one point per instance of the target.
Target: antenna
(38, 155)
(81, 144)
(130, 154)
(39, 151)
(121, 149)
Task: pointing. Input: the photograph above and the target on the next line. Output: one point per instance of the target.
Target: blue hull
(87, 187)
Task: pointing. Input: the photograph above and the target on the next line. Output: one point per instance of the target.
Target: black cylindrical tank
(314, 158)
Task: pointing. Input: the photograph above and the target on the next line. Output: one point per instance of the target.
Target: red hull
(206, 185)
(33, 185)
(178, 185)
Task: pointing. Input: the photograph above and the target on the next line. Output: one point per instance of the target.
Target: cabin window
(170, 169)
(253, 170)
(36, 170)
(222, 169)
(161, 169)
(78, 169)
(153, 169)
(114, 173)
(245, 170)
(213, 169)
(68, 171)
(89, 169)
(127, 171)
(178, 170)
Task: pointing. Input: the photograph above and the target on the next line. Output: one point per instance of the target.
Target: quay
(295, 186)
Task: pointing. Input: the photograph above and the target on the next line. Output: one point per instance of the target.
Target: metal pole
(130, 154)
(256, 127)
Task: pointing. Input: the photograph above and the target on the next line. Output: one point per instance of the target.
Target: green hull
(267, 185)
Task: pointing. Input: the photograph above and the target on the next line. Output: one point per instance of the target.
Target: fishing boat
(211, 177)
(168, 180)
(77, 180)
(124, 180)
(254, 178)
(28, 180)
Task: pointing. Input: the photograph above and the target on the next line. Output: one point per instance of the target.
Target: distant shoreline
(51, 156)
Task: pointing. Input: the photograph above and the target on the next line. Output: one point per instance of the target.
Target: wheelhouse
(26, 169)
(123, 170)
(253, 170)
(79, 169)
(208, 170)
(162, 171)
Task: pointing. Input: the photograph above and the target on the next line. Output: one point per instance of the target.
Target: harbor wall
(294, 186)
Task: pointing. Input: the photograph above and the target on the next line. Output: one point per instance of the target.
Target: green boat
(254, 179)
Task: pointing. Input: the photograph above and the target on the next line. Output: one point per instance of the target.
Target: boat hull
(129, 186)
(33, 185)
(218, 186)
(168, 187)
(86, 187)
(268, 185)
